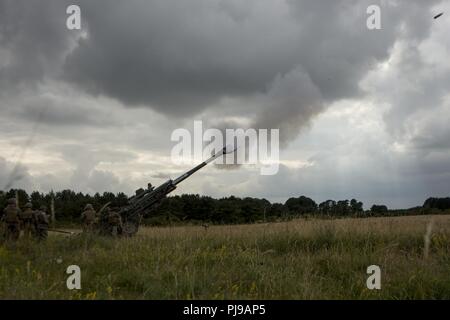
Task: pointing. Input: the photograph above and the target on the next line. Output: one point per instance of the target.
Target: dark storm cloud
(51, 111)
(177, 56)
(181, 57)
(291, 102)
(34, 41)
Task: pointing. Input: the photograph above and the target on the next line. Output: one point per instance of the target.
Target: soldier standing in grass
(26, 220)
(114, 222)
(88, 218)
(41, 223)
(11, 219)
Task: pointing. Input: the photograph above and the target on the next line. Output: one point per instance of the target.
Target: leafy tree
(356, 206)
(437, 203)
(301, 205)
(378, 209)
(199, 209)
(327, 207)
(120, 200)
(37, 199)
(276, 210)
(22, 195)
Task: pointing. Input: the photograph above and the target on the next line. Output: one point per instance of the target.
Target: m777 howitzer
(147, 200)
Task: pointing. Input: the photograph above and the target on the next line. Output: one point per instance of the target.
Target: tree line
(193, 208)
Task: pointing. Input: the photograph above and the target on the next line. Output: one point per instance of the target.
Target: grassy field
(301, 259)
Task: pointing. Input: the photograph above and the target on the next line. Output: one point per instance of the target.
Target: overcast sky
(362, 113)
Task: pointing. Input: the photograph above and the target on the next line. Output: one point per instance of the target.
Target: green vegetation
(300, 259)
(195, 209)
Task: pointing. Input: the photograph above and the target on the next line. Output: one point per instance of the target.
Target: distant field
(301, 259)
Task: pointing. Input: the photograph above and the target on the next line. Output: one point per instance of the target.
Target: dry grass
(302, 259)
(383, 225)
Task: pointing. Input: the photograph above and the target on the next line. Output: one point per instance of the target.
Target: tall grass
(311, 259)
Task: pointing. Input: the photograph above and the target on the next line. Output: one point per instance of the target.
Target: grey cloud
(383, 184)
(92, 180)
(103, 180)
(161, 175)
(62, 113)
(416, 89)
(47, 182)
(291, 102)
(434, 139)
(91, 156)
(34, 37)
(180, 58)
(415, 85)
(84, 161)
(13, 175)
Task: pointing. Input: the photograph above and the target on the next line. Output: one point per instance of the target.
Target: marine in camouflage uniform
(11, 219)
(27, 220)
(114, 222)
(89, 218)
(41, 223)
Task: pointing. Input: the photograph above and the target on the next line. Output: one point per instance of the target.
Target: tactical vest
(114, 219)
(11, 214)
(26, 215)
(41, 218)
(89, 216)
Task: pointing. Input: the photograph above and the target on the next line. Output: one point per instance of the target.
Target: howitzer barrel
(201, 165)
(147, 200)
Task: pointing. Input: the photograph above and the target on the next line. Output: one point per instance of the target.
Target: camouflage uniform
(41, 223)
(11, 218)
(26, 220)
(114, 222)
(88, 218)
